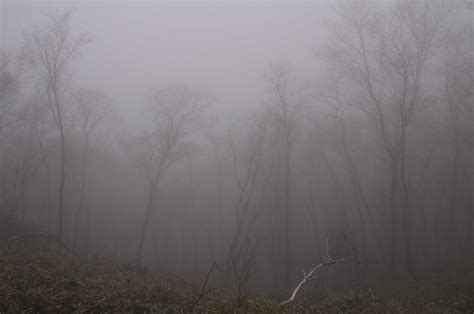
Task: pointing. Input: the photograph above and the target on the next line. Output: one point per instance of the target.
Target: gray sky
(220, 46)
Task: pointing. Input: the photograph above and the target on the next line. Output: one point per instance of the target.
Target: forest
(284, 149)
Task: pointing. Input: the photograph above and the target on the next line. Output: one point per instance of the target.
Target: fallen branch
(47, 236)
(311, 275)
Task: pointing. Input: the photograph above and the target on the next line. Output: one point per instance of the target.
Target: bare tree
(42, 128)
(285, 105)
(220, 153)
(174, 113)
(219, 159)
(49, 52)
(335, 106)
(248, 159)
(459, 98)
(383, 56)
(19, 162)
(244, 267)
(9, 85)
(94, 112)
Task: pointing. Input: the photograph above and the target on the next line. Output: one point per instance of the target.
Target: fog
(221, 47)
(266, 137)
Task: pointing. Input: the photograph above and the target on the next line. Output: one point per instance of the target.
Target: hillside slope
(43, 281)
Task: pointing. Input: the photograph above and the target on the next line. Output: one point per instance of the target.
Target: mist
(233, 144)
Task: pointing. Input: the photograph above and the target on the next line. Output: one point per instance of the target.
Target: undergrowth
(38, 281)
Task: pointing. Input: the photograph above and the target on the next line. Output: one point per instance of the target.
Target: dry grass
(43, 281)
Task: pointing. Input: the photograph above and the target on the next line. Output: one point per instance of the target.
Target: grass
(43, 281)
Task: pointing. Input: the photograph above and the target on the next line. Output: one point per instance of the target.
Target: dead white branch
(311, 275)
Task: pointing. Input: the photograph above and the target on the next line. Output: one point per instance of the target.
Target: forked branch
(311, 275)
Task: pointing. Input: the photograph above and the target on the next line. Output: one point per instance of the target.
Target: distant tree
(218, 144)
(244, 266)
(42, 128)
(174, 113)
(459, 98)
(94, 111)
(334, 105)
(15, 149)
(382, 54)
(284, 105)
(9, 85)
(48, 52)
(248, 156)
(19, 162)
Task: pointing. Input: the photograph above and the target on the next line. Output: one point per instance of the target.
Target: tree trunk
(287, 261)
(146, 220)
(87, 232)
(393, 214)
(221, 209)
(355, 184)
(453, 195)
(405, 213)
(61, 188)
(56, 110)
(83, 190)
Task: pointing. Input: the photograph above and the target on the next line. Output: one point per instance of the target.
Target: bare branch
(311, 275)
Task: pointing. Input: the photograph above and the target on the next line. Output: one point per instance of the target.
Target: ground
(44, 281)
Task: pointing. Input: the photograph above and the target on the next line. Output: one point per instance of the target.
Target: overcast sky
(220, 46)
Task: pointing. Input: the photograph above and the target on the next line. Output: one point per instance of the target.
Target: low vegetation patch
(44, 281)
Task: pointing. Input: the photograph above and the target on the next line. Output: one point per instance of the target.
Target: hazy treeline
(373, 162)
